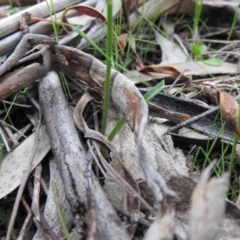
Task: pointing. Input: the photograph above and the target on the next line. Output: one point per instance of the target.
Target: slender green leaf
(154, 91)
(212, 61)
(117, 128)
(62, 219)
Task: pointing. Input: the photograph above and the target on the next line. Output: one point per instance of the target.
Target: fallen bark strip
(184, 106)
(71, 160)
(11, 24)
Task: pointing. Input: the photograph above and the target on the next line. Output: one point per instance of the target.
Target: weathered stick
(70, 157)
(11, 24)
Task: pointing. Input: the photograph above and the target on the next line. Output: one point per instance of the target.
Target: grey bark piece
(71, 161)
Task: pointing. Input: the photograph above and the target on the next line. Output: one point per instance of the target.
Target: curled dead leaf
(138, 63)
(229, 110)
(82, 9)
(122, 42)
(157, 68)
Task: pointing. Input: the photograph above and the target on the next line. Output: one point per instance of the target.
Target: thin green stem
(233, 153)
(9, 109)
(197, 14)
(10, 2)
(234, 23)
(109, 66)
(60, 214)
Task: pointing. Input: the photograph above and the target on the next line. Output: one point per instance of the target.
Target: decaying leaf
(15, 163)
(171, 52)
(208, 206)
(81, 9)
(166, 69)
(229, 109)
(122, 42)
(192, 68)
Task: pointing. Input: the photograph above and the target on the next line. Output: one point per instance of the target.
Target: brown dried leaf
(229, 109)
(174, 72)
(161, 69)
(122, 42)
(82, 9)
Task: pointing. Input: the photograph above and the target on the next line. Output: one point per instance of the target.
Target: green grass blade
(154, 91)
(117, 128)
(62, 219)
(234, 23)
(233, 153)
(197, 15)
